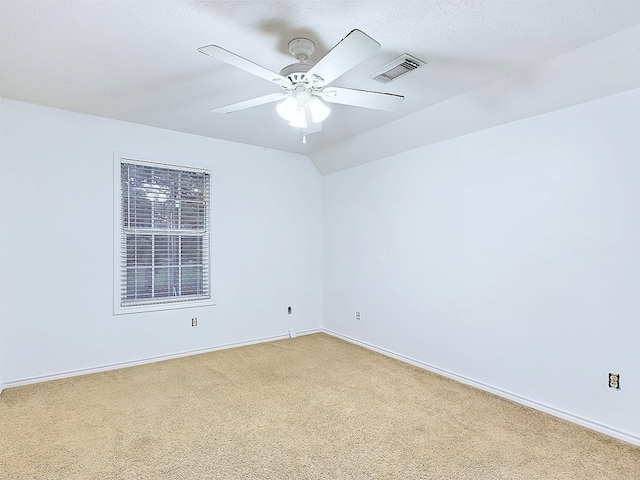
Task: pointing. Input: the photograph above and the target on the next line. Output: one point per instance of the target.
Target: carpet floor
(313, 407)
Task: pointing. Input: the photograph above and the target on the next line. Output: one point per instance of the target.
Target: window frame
(118, 309)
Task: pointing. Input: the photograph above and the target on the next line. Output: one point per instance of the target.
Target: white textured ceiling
(137, 61)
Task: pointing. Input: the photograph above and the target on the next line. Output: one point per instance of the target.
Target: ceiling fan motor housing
(296, 72)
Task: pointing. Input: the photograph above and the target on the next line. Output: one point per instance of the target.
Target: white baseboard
(143, 361)
(311, 331)
(612, 432)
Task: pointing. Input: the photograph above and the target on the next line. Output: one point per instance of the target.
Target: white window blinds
(165, 230)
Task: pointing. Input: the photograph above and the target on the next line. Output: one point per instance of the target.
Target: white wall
(2, 242)
(56, 213)
(1, 347)
(508, 257)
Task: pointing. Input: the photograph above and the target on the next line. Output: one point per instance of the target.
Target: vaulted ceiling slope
(488, 62)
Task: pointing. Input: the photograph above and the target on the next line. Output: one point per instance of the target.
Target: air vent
(396, 68)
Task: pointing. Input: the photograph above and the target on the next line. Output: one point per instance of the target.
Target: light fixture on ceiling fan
(305, 86)
(300, 108)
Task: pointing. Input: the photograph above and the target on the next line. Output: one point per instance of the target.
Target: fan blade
(388, 102)
(349, 52)
(254, 102)
(237, 61)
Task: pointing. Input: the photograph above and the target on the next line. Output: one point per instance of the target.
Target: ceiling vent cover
(396, 68)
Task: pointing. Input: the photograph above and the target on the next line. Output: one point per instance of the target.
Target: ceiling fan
(306, 86)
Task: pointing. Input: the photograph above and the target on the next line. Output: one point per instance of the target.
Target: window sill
(120, 310)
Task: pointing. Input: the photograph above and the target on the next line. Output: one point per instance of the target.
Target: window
(164, 227)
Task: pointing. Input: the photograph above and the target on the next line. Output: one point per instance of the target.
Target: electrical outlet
(358, 316)
(614, 381)
(194, 322)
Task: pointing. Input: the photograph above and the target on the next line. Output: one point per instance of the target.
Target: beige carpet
(313, 407)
